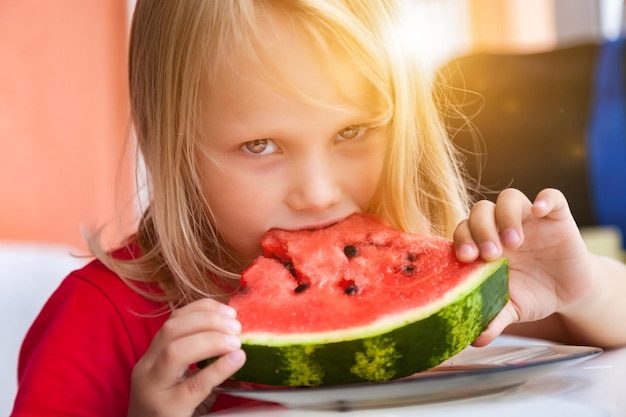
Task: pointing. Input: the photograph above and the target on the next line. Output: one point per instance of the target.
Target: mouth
(321, 225)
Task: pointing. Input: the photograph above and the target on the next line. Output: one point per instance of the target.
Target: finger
(200, 384)
(205, 304)
(174, 360)
(198, 321)
(483, 229)
(507, 316)
(512, 207)
(466, 248)
(552, 203)
(196, 317)
(171, 352)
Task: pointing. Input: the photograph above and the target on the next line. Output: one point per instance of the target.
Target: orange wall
(63, 117)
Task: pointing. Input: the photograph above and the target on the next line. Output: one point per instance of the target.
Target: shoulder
(80, 351)
(96, 297)
(105, 286)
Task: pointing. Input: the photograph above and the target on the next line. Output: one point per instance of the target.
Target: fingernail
(236, 357)
(466, 251)
(227, 311)
(232, 325)
(488, 249)
(511, 237)
(540, 203)
(232, 342)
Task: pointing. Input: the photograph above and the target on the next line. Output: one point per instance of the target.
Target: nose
(313, 184)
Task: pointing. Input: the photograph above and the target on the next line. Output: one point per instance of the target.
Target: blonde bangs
(336, 30)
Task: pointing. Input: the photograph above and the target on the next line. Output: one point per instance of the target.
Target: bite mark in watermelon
(360, 301)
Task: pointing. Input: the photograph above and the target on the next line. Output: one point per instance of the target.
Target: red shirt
(77, 357)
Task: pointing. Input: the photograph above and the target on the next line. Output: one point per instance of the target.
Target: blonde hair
(175, 47)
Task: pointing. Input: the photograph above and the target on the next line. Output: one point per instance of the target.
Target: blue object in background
(606, 145)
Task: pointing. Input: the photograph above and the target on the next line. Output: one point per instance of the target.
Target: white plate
(473, 372)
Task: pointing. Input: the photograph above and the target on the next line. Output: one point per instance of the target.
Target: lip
(321, 225)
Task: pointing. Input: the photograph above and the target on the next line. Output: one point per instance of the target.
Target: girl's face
(278, 160)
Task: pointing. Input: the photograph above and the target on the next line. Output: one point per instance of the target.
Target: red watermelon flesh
(348, 275)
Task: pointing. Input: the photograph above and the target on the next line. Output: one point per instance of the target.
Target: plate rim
(291, 397)
(584, 352)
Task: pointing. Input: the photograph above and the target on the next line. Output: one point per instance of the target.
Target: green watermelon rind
(393, 348)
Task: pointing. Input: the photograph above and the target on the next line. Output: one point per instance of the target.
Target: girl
(255, 114)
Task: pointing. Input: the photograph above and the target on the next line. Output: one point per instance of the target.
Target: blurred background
(524, 70)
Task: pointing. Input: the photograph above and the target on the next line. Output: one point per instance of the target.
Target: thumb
(504, 318)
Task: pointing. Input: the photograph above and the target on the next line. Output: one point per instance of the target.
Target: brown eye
(259, 147)
(351, 132)
(256, 146)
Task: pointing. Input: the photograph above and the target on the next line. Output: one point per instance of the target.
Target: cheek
(239, 222)
(245, 244)
(241, 207)
(364, 176)
(373, 175)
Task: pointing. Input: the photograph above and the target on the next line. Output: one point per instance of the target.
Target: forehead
(280, 55)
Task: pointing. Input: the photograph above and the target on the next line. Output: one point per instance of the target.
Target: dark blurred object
(606, 142)
(529, 122)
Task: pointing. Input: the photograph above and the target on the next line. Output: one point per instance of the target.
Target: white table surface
(596, 387)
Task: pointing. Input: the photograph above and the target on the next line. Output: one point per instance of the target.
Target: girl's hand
(549, 264)
(162, 384)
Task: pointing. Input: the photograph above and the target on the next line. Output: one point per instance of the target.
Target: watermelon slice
(360, 301)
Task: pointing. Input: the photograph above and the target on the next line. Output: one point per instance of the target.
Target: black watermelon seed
(351, 289)
(350, 251)
(412, 257)
(302, 287)
(408, 269)
(290, 268)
